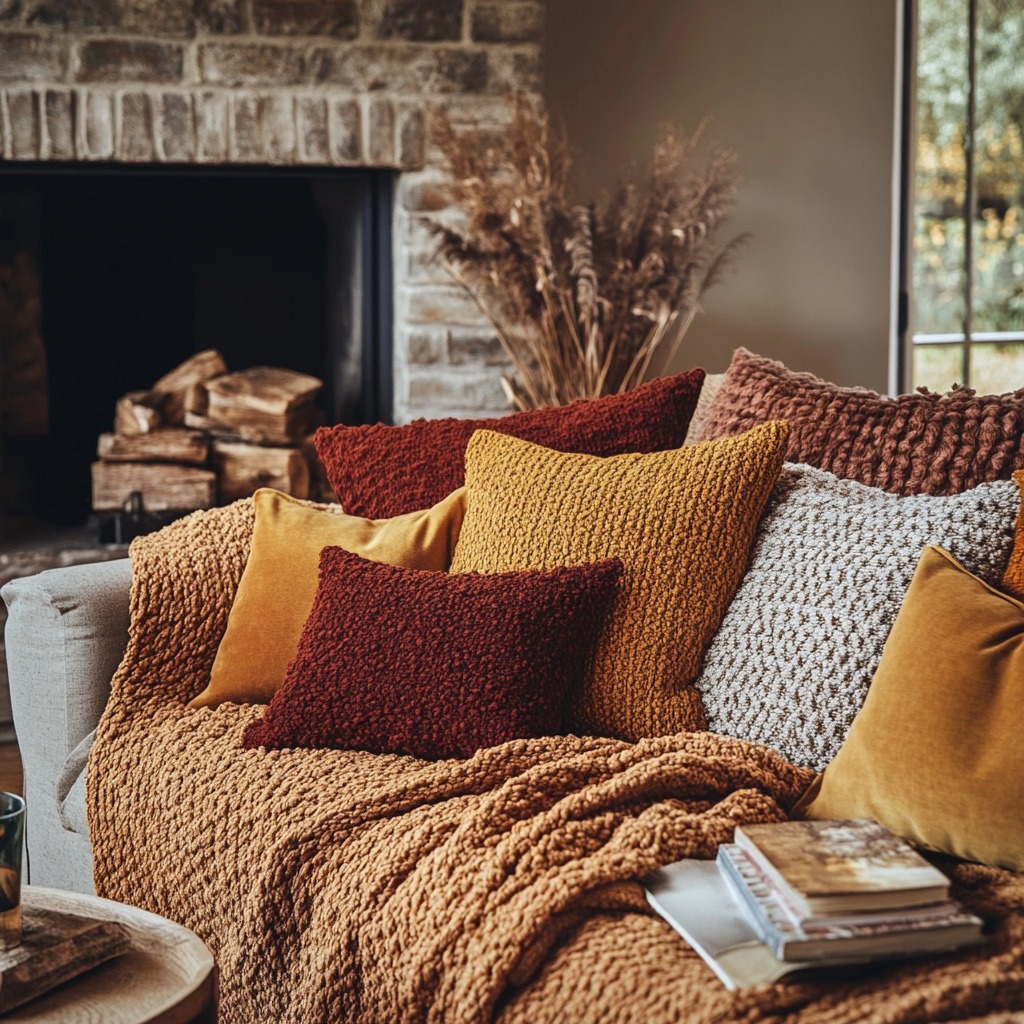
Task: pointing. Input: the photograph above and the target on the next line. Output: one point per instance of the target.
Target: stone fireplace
(288, 83)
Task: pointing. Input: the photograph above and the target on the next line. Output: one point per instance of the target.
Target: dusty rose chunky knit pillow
(381, 471)
(432, 664)
(910, 444)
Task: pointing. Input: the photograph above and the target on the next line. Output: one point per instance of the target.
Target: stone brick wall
(289, 82)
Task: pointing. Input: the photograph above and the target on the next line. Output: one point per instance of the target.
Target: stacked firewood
(202, 436)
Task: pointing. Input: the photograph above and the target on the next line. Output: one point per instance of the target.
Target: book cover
(875, 934)
(694, 898)
(831, 866)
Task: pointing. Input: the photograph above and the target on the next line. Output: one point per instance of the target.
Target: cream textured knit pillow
(793, 659)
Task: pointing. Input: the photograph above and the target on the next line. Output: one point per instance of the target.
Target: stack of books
(805, 894)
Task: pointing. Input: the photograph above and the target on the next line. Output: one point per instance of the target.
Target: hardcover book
(908, 932)
(830, 867)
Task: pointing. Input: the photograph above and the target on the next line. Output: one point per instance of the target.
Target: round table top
(168, 976)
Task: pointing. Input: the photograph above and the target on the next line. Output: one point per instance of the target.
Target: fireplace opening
(110, 276)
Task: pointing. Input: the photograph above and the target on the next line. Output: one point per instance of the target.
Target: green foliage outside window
(940, 183)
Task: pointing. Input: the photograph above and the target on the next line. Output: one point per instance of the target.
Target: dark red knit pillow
(920, 443)
(433, 664)
(381, 471)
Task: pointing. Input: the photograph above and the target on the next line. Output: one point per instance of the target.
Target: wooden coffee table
(168, 977)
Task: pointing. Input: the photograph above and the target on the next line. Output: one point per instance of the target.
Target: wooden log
(172, 444)
(138, 412)
(163, 486)
(257, 427)
(243, 468)
(262, 389)
(175, 388)
(197, 400)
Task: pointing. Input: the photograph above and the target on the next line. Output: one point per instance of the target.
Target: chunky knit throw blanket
(345, 886)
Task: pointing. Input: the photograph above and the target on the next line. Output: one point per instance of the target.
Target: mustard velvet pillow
(681, 521)
(935, 752)
(275, 594)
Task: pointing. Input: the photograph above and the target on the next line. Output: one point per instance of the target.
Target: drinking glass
(12, 835)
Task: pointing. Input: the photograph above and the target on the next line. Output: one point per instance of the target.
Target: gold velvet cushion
(935, 752)
(682, 523)
(275, 594)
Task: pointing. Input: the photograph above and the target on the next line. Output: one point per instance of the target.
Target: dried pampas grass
(587, 300)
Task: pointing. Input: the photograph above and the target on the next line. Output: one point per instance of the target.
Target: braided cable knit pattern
(921, 443)
(796, 651)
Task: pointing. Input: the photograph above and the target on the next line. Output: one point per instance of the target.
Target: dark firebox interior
(139, 270)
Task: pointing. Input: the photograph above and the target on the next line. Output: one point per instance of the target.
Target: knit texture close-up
(681, 522)
(403, 661)
(918, 443)
(380, 471)
(793, 660)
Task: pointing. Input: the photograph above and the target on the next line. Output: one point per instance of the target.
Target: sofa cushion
(912, 444)
(276, 591)
(794, 657)
(435, 665)
(1013, 578)
(935, 753)
(682, 523)
(382, 471)
(709, 389)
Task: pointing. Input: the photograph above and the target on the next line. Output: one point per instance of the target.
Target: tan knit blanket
(344, 886)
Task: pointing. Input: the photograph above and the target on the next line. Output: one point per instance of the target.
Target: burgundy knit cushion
(434, 664)
(921, 443)
(380, 471)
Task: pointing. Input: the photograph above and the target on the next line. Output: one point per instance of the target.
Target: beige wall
(803, 91)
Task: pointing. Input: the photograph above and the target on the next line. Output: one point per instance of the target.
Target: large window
(966, 196)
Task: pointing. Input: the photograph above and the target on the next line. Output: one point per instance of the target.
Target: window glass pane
(996, 369)
(999, 166)
(938, 367)
(937, 285)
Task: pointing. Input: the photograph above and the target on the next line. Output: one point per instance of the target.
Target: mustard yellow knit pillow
(681, 521)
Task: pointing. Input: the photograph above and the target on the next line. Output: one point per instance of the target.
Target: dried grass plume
(587, 300)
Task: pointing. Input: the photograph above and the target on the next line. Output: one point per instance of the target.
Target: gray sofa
(66, 632)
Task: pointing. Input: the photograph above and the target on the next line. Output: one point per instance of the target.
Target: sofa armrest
(66, 633)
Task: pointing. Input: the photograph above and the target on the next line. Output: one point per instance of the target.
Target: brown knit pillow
(913, 444)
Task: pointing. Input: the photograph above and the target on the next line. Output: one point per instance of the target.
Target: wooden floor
(10, 768)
